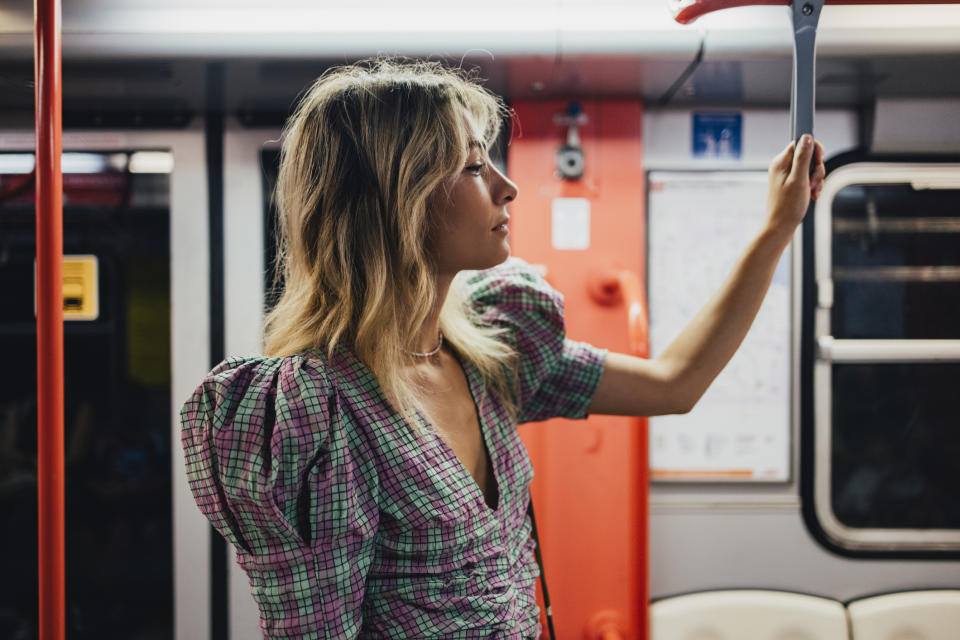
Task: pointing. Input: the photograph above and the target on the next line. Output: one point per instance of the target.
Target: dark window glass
(270, 168)
(119, 556)
(896, 262)
(896, 443)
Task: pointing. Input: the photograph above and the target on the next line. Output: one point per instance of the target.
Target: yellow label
(81, 291)
(81, 300)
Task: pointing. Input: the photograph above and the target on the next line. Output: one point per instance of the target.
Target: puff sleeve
(276, 472)
(555, 376)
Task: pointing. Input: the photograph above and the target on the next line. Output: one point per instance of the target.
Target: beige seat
(748, 615)
(913, 615)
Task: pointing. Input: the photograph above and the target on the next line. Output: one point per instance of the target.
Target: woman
(368, 470)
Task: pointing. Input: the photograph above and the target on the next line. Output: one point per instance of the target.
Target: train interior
(813, 488)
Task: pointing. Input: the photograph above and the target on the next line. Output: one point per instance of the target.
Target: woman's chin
(478, 263)
(502, 257)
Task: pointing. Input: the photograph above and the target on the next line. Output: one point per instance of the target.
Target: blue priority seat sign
(717, 135)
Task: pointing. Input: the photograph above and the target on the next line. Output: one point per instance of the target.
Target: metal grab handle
(805, 15)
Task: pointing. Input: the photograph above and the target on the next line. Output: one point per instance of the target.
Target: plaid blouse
(347, 524)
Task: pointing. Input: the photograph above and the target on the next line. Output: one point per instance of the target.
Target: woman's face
(470, 214)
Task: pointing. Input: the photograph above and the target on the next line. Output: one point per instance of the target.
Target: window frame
(820, 351)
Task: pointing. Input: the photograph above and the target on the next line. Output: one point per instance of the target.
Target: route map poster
(699, 224)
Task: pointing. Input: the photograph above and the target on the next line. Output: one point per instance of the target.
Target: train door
(136, 341)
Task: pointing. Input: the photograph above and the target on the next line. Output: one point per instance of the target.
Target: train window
(887, 357)
(895, 268)
(117, 398)
(270, 168)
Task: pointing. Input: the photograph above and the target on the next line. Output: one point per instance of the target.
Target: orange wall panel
(589, 490)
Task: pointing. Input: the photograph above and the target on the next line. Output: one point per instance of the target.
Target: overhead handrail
(49, 216)
(805, 15)
(686, 11)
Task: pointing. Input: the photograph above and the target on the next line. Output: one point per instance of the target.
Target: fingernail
(807, 138)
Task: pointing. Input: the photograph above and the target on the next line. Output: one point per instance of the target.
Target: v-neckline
(488, 451)
(466, 476)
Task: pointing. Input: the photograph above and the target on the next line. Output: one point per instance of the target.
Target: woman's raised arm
(674, 381)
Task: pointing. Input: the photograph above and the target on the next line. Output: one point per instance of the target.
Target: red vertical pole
(641, 471)
(49, 280)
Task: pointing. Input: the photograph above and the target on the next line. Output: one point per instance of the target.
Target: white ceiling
(136, 54)
(296, 28)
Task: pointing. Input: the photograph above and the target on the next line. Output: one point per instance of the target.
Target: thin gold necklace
(431, 353)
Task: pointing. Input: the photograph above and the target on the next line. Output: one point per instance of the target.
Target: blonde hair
(365, 148)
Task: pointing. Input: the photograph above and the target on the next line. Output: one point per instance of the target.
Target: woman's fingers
(819, 172)
(783, 161)
(801, 160)
(796, 177)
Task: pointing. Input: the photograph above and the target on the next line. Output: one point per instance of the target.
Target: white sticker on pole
(570, 224)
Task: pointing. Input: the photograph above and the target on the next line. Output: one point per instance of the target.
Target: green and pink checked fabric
(347, 525)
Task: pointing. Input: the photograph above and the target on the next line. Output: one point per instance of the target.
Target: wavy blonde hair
(365, 148)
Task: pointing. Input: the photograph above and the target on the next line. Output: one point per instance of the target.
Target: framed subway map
(699, 223)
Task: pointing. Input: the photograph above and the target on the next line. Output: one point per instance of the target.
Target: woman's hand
(793, 184)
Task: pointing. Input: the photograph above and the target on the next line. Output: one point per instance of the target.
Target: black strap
(543, 578)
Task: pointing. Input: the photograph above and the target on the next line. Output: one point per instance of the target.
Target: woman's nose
(508, 190)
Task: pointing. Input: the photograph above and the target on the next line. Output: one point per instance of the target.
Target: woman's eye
(476, 168)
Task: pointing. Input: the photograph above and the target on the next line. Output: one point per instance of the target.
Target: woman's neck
(429, 335)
